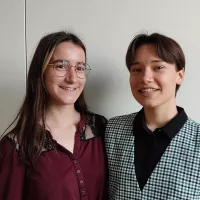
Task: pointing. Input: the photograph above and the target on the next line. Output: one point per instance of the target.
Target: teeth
(148, 90)
(67, 88)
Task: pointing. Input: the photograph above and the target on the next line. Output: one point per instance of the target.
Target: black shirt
(150, 146)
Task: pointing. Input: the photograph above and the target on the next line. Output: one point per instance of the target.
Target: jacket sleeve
(12, 171)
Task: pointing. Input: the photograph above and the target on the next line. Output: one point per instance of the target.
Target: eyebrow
(56, 61)
(153, 61)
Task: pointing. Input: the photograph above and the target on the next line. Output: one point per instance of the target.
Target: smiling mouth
(67, 88)
(148, 90)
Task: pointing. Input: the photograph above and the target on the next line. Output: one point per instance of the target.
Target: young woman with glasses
(55, 151)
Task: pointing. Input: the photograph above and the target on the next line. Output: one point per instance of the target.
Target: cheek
(50, 80)
(48, 85)
(167, 83)
(163, 78)
(82, 83)
(48, 76)
(133, 82)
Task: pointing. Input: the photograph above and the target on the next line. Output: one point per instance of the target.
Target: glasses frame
(69, 65)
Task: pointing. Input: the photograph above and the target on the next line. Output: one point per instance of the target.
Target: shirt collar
(170, 129)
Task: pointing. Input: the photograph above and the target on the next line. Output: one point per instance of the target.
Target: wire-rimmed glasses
(61, 68)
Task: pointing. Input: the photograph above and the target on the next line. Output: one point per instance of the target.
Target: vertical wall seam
(25, 38)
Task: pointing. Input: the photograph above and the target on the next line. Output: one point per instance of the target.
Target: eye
(60, 66)
(158, 67)
(135, 69)
(81, 67)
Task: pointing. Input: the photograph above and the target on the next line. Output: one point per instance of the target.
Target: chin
(149, 105)
(65, 102)
(72, 102)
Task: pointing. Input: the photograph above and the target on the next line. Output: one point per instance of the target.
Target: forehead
(68, 51)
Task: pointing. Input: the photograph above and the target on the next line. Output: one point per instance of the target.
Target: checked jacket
(176, 176)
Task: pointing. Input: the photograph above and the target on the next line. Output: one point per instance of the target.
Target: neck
(160, 116)
(61, 116)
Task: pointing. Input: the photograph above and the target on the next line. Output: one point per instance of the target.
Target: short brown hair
(167, 49)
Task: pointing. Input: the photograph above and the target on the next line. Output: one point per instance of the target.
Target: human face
(153, 81)
(65, 90)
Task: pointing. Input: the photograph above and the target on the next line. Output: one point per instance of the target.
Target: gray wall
(106, 27)
(12, 59)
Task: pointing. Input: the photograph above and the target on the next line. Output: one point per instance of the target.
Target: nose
(71, 76)
(147, 76)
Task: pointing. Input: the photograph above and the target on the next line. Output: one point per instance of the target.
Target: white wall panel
(12, 60)
(107, 27)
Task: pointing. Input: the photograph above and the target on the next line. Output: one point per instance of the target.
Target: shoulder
(9, 140)
(192, 126)
(90, 116)
(122, 120)
(95, 118)
(96, 122)
(119, 130)
(8, 145)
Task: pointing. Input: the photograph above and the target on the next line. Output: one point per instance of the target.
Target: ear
(180, 76)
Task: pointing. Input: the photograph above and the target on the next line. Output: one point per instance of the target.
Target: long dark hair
(30, 121)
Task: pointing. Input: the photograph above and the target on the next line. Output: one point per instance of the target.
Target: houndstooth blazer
(176, 176)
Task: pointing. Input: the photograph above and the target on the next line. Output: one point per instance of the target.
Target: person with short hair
(56, 150)
(154, 153)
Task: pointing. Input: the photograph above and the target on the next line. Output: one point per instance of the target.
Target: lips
(148, 90)
(67, 88)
